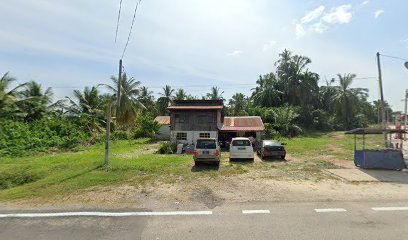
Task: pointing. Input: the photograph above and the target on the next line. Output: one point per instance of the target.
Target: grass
(135, 163)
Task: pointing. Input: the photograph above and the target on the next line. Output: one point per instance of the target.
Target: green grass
(317, 144)
(135, 163)
(131, 162)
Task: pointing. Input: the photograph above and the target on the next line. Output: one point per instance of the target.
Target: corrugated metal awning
(245, 123)
(195, 107)
(163, 120)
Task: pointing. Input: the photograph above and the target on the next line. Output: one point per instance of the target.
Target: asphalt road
(314, 220)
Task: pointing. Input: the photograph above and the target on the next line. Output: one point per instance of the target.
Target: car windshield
(241, 143)
(271, 143)
(206, 144)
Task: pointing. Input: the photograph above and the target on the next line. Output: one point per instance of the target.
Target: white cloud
(235, 53)
(312, 15)
(378, 13)
(268, 45)
(365, 2)
(300, 31)
(339, 15)
(319, 27)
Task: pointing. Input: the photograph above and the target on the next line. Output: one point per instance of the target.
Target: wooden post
(108, 120)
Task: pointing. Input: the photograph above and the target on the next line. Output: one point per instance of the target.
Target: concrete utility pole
(119, 87)
(383, 124)
(108, 121)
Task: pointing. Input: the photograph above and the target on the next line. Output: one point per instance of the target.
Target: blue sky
(196, 44)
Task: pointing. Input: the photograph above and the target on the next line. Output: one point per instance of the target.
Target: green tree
(215, 94)
(165, 100)
(128, 105)
(147, 99)
(285, 121)
(36, 101)
(180, 94)
(346, 100)
(267, 94)
(89, 108)
(9, 97)
(238, 104)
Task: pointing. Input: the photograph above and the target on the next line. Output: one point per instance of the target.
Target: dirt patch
(206, 196)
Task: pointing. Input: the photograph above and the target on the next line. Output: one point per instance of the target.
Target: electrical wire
(131, 28)
(399, 58)
(117, 24)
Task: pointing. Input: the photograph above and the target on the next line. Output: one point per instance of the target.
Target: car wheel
(283, 157)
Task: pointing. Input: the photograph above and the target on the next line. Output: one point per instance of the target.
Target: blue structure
(386, 158)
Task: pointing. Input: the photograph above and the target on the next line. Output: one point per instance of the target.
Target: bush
(147, 127)
(19, 138)
(167, 148)
(121, 135)
(17, 178)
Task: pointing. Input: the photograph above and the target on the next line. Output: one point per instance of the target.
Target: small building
(243, 126)
(164, 131)
(193, 119)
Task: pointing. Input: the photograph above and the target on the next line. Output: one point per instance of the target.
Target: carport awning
(243, 124)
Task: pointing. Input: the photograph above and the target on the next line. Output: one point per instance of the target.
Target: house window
(181, 136)
(205, 135)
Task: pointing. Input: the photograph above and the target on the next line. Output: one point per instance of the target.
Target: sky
(197, 44)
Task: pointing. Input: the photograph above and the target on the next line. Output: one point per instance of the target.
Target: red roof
(163, 120)
(246, 123)
(195, 107)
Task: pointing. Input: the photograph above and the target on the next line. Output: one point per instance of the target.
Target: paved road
(333, 220)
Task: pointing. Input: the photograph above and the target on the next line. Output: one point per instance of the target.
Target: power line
(399, 58)
(117, 24)
(131, 28)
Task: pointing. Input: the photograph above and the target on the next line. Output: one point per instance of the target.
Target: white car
(241, 148)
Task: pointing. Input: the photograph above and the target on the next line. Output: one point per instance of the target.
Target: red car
(271, 148)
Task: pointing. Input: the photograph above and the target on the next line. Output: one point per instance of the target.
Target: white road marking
(255, 212)
(390, 208)
(326, 210)
(102, 214)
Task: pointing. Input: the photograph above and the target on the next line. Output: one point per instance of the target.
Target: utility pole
(383, 125)
(108, 121)
(405, 112)
(119, 88)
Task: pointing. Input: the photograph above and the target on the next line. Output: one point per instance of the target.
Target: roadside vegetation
(136, 163)
(289, 99)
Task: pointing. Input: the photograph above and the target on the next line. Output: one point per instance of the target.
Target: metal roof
(374, 131)
(163, 120)
(245, 123)
(195, 107)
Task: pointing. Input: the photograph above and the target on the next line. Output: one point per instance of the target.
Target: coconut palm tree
(167, 96)
(36, 101)
(88, 106)
(128, 105)
(215, 94)
(346, 99)
(180, 94)
(238, 104)
(9, 97)
(266, 94)
(147, 99)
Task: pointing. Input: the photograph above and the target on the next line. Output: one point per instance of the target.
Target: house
(164, 131)
(193, 119)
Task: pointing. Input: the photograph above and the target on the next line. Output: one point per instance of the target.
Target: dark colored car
(271, 148)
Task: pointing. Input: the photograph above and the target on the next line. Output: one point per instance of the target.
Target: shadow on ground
(205, 167)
